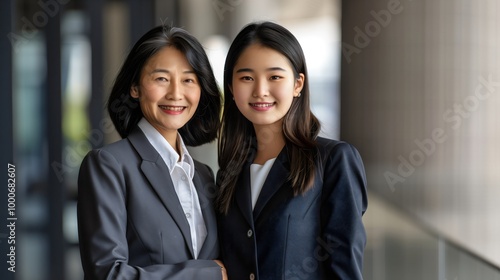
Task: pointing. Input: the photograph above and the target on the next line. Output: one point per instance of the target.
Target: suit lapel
(276, 177)
(153, 166)
(242, 194)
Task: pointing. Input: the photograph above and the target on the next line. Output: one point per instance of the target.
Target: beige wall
(420, 95)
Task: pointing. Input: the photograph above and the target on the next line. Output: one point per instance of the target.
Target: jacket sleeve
(102, 227)
(344, 203)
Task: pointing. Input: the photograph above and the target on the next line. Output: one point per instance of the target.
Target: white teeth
(262, 105)
(172, 108)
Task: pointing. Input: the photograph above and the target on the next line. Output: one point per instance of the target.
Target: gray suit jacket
(130, 222)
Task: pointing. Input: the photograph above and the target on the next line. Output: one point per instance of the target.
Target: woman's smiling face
(168, 91)
(264, 85)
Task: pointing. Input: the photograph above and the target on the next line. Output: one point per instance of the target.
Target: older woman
(144, 205)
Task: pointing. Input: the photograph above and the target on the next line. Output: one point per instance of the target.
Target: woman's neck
(170, 135)
(270, 142)
(172, 140)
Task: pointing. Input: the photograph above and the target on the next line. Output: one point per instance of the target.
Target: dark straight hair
(125, 111)
(300, 126)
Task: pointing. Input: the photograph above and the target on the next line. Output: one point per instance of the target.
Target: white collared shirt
(182, 173)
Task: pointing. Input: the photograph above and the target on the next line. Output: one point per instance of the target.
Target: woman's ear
(299, 84)
(134, 91)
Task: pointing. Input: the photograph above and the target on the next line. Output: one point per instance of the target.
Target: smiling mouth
(262, 105)
(172, 108)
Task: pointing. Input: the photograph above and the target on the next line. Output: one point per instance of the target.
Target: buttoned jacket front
(131, 224)
(317, 235)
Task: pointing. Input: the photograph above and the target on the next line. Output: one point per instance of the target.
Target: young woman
(290, 202)
(144, 205)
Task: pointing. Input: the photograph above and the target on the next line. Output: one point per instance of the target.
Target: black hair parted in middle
(125, 111)
(300, 125)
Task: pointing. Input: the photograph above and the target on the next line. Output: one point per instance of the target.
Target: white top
(182, 173)
(258, 175)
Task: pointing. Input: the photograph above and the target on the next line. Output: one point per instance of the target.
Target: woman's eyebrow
(160, 70)
(275, 69)
(268, 69)
(244, 70)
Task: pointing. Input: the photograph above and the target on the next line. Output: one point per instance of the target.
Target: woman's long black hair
(237, 135)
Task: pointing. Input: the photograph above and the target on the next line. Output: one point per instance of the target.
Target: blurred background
(413, 84)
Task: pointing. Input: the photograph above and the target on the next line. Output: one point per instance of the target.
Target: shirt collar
(166, 151)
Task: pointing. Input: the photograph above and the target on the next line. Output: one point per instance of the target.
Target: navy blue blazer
(130, 222)
(318, 235)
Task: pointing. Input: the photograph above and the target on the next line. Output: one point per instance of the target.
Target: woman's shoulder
(203, 168)
(336, 148)
(331, 144)
(116, 149)
(327, 142)
(116, 146)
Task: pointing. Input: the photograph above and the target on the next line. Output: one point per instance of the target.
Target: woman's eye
(162, 79)
(246, 78)
(189, 80)
(275, 77)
